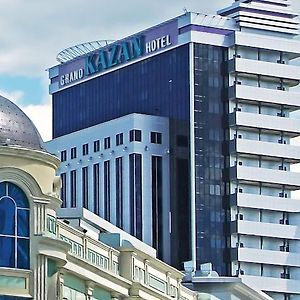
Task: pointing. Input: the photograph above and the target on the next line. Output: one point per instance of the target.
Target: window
(119, 192)
(119, 139)
(135, 194)
(63, 191)
(107, 190)
(85, 149)
(85, 192)
(107, 143)
(63, 155)
(96, 187)
(157, 200)
(14, 227)
(73, 188)
(73, 152)
(155, 137)
(135, 135)
(96, 146)
(182, 141)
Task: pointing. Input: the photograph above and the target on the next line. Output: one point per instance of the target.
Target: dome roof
(16, 129)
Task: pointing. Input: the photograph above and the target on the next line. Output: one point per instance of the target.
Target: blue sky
(35, 31)
(31, 87)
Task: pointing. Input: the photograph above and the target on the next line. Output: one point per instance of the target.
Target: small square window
(63, 155)
(85, 149)
(107, 143)
(96, 146)
(156, 137)
(135, 135)
(73, 152)
(119, 139)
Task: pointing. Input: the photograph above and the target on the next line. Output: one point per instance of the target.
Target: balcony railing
(84, 247)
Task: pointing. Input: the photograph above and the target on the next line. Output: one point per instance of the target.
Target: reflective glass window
(73, 152)
(135, 135)
(63, 155)
(14, 227)
(107, 143)
(85, 149)
(119, 139)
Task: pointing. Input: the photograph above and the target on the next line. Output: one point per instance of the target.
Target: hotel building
(181, 135)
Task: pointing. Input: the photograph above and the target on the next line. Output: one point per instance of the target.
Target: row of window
(91, 194)
(135, 135)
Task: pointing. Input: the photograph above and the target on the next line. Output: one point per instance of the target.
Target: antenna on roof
(185, 10)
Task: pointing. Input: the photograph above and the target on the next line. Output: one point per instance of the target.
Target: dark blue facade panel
(209, 130)
(158, 86)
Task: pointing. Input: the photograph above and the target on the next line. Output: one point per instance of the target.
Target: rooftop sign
(121, 52)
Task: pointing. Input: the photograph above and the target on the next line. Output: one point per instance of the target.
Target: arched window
(14, 227)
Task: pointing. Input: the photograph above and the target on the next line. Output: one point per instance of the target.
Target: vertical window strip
(73, 188)
(135, 170)
(107, 190)
(85, 192)
(119, 192)
(63, 193)
(96, 185)
(157, 202)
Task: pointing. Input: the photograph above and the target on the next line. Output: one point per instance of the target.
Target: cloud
(14, 96)
(41, 116)
(35, 31)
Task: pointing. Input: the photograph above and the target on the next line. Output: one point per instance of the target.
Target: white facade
(264, 217)
(147, 149)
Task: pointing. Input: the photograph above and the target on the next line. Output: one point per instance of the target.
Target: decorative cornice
(40, 156)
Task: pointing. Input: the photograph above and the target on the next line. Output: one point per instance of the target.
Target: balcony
(84, 247)
(257, 67)
(253, 147)
(265, 202)
(265, 229)
(269, 176)
(267, 122)
(138, 274)
(290, 46)
(261, 256)
(263, 95)
(272, 284)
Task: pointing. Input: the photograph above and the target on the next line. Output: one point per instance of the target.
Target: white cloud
(41, 116)
(35, 31)
(14, 96)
